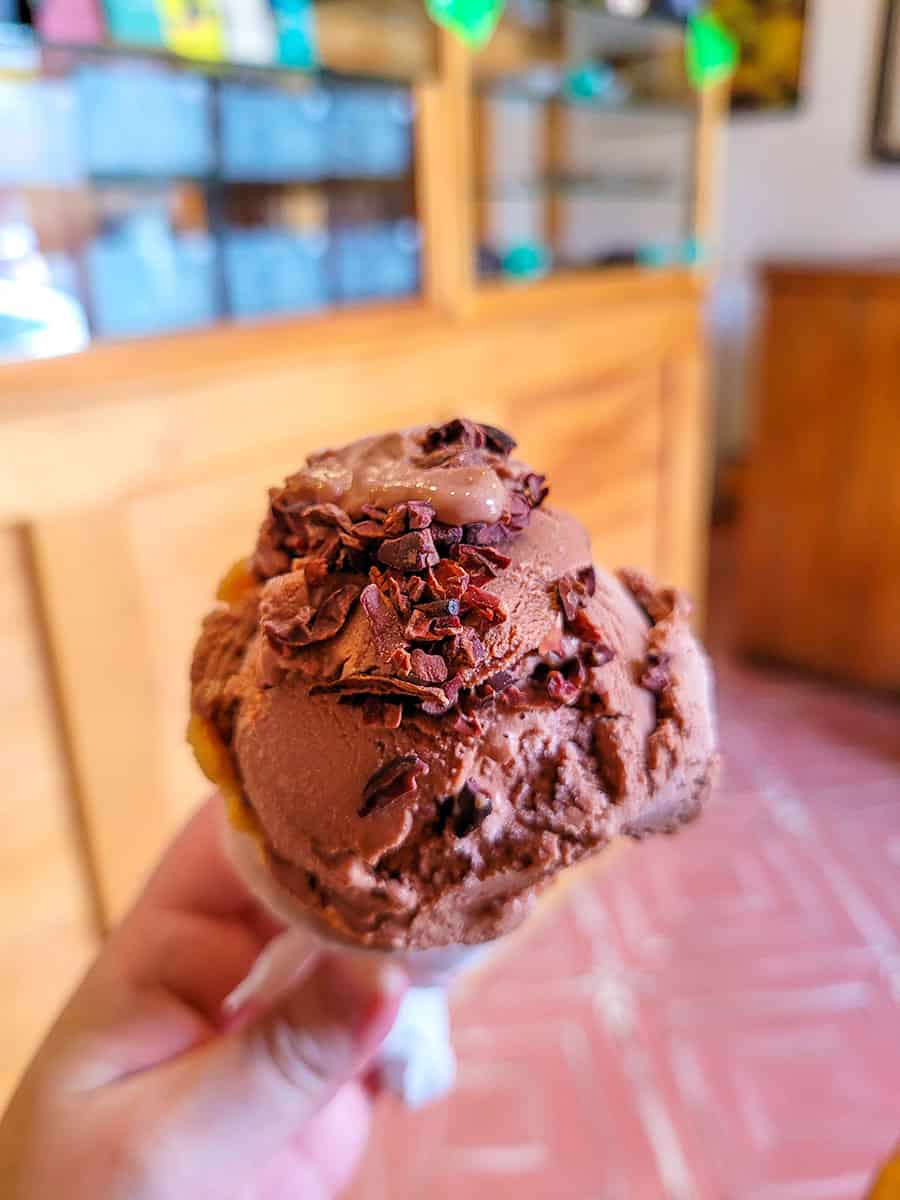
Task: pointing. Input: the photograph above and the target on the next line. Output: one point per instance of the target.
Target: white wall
(800, 185)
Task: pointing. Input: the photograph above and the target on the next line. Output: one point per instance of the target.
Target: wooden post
(445, 180)
(713, 104)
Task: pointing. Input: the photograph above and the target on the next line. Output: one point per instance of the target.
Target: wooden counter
(821, 542)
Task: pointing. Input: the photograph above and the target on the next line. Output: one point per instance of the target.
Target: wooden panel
(598, 441)
(136, 430)
(685, 477)
(821, 547)
(48, 932)
(181, 541)
(91, 597)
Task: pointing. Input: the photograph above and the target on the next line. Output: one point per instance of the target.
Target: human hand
(145, 1090)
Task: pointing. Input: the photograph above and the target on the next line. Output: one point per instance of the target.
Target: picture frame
(772, 37)
(886, 121)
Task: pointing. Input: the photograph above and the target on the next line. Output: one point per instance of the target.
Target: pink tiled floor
(713, 1017)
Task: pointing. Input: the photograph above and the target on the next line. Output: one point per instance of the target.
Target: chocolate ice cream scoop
(425, 701)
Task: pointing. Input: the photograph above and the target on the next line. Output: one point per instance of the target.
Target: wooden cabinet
(820, 562)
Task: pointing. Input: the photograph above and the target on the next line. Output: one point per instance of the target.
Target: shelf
(618, 187)
(334, 183)
(321, 75)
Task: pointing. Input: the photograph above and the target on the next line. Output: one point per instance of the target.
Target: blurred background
(660, 242)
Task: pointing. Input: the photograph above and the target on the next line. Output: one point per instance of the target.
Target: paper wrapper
(416, 1059)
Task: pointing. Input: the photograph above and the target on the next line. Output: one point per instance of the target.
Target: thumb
(221, 1111)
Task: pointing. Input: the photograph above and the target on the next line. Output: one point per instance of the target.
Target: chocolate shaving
(383, 685)
(321, 514)
(307, 625)
(415, 587)
(428, 668)
(412, 551)
(518, 513)
(459, 431)
(499, 440)
(394, 781)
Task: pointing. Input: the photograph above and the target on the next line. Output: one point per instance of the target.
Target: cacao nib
(420, 514)
(400, 661)
(415, 587)
(483, 534)
(395, 521)
(561, 690)
(440, 608)
(448, 580)
(499, 682)
(471, 808)
(387, 632)
(427, 668)
(483, 559)
(394, 781)
(412, 551)
(587, 629)
(656, 675)
(598, 655)
(469, 649)
(446, 535)
(535, 488)
(484, 604)
(518, 513)
(324, 514)
(368, 530)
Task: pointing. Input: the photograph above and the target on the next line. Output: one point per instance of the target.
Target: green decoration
(711, 52)
(473, 21)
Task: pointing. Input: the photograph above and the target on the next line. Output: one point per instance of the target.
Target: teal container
(295, 34)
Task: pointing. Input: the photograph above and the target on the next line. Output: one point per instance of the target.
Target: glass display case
(143, 193)
(169, 167)
(586, 141)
